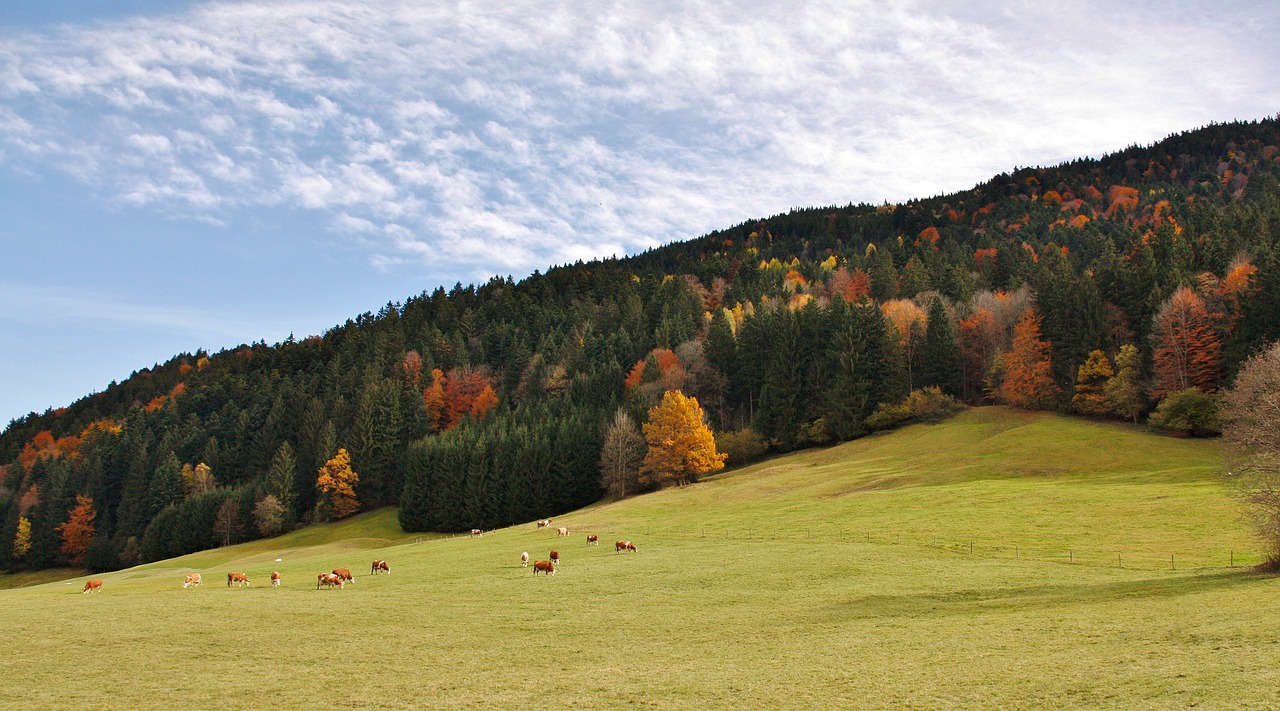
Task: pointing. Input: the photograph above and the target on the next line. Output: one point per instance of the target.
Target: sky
(186, 175)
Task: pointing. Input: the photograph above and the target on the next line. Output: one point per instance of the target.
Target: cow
(562, 531)
(593, 540)
(275, 579)
(624, 546)
(632, 547)
(329, 580)
(555, 557)
(544, 566)
(544, 523)
(524, 559)
(93, 586)
(237, 579)
(192, 580)
(477, 532)
(344, 574)
(380, 566)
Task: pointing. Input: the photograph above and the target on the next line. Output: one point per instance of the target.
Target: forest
(1132, 286)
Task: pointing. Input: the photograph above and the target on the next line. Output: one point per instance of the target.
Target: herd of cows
(341, 576)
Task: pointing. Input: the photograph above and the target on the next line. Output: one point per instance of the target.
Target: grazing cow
(275, 579)
(95, 586)
(632, 547)
(545, 566)
(193, 579)
(329, 580)
(524, 559)
(477, 532)
(544, 523)
(555, 557)
(237, 579)
(380, 566)
(620, 545)
(344, 574)
(593, 540)
(562, 531)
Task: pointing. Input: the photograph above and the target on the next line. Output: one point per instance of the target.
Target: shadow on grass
(969, 602)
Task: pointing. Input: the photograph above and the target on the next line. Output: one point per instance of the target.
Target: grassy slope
(782, 603)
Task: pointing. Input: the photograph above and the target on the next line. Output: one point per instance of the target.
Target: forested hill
(1108, 287)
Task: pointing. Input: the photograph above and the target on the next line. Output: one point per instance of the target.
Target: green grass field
(836, 578)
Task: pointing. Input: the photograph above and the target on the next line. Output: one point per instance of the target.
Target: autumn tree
(336, 487)
(77, 530)
(268, 514)
(1091, 380)
(22, 539)
(226, 523)
(1187, 347)
(621, 456)
(1123, 391)
(197, 480)
(681, 446)
(1028, 372)
(1250, 419)
(433, 401)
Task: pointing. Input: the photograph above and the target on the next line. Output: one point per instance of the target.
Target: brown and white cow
(544, 523)
(344, 574)
(632, 547)
(237, 579)
(477, 532)
(555, 557)
(192, 580)
(593, 540)
(93, 586)
(544, 566)
(524, 559)
(562, 531)
(380, 566)
(329, 580)
(275, 579)
(624, 546)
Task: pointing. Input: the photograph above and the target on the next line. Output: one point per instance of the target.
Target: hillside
(484, 405)
(757, 587)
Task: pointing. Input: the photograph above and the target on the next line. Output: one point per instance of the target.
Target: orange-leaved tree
(1028, 370)
(681, 446)
(1187, 345)
(337, 487)
(77, 531)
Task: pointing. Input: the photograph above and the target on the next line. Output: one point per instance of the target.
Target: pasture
(831, 578)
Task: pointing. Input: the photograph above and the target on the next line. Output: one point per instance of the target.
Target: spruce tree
(941, 366)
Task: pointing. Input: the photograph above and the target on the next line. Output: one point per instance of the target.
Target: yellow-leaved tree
(22, 539)
(337, 487)
(681, 446)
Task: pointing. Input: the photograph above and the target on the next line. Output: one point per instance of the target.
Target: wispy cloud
(509, 136)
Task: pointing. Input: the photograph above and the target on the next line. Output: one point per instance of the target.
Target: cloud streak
(509, 136)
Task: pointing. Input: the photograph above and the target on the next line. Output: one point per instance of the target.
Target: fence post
(1072, 553)
(1171, 562)
(1119, 563)
(970, 547)
(1017, 555)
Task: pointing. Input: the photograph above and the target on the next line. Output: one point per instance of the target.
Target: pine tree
(281, 476)
(941, 353)
(166, 484)
(1091, 380)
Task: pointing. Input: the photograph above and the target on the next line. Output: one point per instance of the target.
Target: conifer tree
(941, 353)
(281, 476)
(166, 484)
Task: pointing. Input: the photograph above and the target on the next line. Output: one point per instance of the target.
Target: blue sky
(185, 175)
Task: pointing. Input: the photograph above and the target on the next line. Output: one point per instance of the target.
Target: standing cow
(275, 579)
(345, 575)
(544, 566)
(593, 540)
(191, 581)
(562, 531)
(555, 557)
(524, 559)
(93, 586)
(237, 579)
(544, 523)
(329, 580)
(624, 546)
(380, 566)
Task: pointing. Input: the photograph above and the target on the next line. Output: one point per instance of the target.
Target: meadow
(1000, 559)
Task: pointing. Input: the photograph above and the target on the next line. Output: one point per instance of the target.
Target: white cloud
(509, 136)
